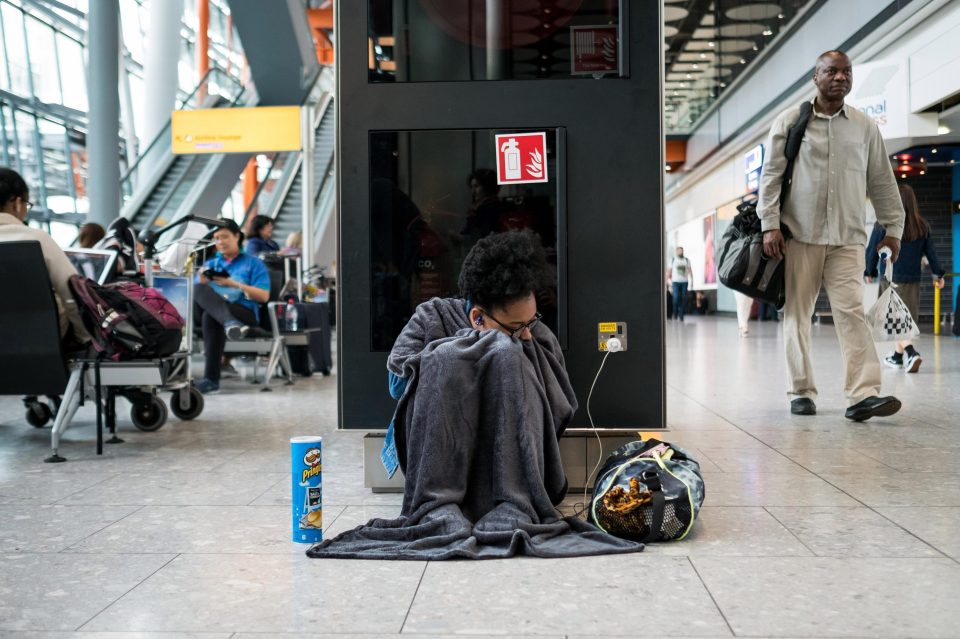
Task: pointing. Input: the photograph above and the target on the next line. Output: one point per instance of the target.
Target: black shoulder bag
(742, 265)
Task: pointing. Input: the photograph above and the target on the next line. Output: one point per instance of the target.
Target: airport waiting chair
(32, 361)
(267, 339)
(31, 357)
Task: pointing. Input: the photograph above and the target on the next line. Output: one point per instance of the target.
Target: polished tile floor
(812, 527)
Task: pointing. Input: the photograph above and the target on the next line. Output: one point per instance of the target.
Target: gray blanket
(477, 436)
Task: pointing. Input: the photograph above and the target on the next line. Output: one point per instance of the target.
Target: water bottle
(290, 313)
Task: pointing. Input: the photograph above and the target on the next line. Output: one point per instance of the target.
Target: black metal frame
(614, 210)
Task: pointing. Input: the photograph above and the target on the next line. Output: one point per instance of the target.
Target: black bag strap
(651, 479)
(792, 148)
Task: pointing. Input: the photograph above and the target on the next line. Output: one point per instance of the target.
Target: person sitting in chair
(14, 205)
(261, 236)
(484, 398)
(230, 288)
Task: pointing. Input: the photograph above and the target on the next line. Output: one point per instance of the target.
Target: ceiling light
(943, 129)
(743, 60)
(723, 85)
(711, 44)
(756, 48)
(923, 172)
(667, 167)
(768, 32)
(903, 176)
(780, 16)
(703, 56)
(689, 76)
(695, 66)
(933, 150)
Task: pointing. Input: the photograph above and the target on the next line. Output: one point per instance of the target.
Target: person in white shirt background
(680, 275)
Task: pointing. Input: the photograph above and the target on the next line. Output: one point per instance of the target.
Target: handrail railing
(126, 181)
(321, 102)
(936, 305)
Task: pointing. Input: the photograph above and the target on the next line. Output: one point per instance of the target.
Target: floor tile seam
(716, 604)
(413, 598)
(728, 421)
(128, 591)
(914, 535)
(792, 534)
(96, 532)
(858, 451)
(77, 492)
(832, 485)
(271, 487)
(880, 461)
(343, 509)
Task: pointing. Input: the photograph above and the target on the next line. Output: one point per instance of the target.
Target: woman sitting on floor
(484, 398)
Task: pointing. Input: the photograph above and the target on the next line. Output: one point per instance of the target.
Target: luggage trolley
(139, 380)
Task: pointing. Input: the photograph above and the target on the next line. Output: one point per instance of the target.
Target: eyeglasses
(513, 332)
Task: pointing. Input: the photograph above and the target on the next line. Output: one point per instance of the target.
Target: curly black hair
(503, 268)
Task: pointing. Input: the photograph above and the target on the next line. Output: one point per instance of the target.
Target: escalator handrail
(166, 198)
(277, 202)
(255, 200)
(165, 131)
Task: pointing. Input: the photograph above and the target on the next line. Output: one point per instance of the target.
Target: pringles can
(305, 461)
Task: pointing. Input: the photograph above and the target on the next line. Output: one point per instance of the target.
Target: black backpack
(742, 265)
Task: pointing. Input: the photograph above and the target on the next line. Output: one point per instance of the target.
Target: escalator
(289, 216)
(280, 194)
(162, 187)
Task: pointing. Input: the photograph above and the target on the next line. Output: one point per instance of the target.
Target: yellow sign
(608, 327)
(240, 130)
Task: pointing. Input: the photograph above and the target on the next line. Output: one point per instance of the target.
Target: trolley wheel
(195, 404)
(38, 414)
(149, 415)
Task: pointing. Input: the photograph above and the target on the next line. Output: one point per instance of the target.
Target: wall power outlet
(608, 330)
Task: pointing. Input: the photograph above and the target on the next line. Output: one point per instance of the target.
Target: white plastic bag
(889, 318)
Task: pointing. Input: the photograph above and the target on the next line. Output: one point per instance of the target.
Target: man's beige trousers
(840, 270)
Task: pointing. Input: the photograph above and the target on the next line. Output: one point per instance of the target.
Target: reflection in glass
(462, 40)
(433, 195)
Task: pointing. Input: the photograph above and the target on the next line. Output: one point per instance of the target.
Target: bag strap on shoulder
(792, 147)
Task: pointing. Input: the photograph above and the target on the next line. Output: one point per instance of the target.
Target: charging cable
(613, 346)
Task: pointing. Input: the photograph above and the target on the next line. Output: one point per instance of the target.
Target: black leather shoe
(803, 406)
(873, 407)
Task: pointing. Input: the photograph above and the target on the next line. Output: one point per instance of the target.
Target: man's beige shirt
(59, 268)
(842, 162)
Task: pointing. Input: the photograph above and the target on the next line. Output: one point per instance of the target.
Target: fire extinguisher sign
(521, 158)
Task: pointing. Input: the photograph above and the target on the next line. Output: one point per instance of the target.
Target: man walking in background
(842, 161)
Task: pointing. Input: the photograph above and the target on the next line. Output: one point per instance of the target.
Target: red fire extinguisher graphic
(511, 159)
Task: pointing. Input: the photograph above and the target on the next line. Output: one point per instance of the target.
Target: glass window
(27, 151)
(72, 73)
(130, 23)
(433, 195)
(439, 40)
(43, 62)
(16, 49)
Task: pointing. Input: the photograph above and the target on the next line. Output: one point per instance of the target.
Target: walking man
(842, 161)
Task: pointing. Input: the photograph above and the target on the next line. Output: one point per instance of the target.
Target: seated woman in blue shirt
(261, 236)
(227, 306)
